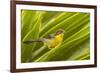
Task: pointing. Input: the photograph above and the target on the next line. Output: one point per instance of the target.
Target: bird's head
(59, 31)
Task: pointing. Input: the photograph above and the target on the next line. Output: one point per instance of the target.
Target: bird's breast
(58, 40)
(55, 42)
(59, 37)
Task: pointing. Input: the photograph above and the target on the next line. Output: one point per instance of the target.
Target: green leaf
(76, 27)
(59, 53)
(64, 23)
(82, 51)
(54, 21)
(32, 34)
(37, 24)
(27, 21)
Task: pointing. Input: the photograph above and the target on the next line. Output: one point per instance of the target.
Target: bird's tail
(31, 41)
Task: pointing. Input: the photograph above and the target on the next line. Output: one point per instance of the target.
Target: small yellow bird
(52, 40)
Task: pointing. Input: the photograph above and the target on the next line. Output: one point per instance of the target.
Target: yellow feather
(55, 42)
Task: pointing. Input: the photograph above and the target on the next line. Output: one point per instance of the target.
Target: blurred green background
(36, 24)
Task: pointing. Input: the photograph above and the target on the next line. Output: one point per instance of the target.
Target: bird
(52, 40)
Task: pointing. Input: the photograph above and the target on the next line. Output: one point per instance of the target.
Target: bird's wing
(50, 36)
